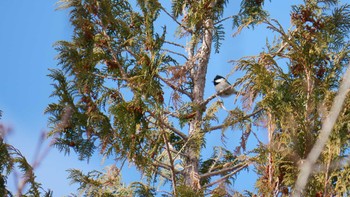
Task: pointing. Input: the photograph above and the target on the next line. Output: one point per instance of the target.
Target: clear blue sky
(28, 31)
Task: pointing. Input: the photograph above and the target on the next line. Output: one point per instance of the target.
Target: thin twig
(176, 53)
(224, 19)
(107, 76)
(40, 157)
(280, 49)
(174, 43)
(173, 174)
(182, 148)
(178, 153)
(216, 160)
(122, 165)
(176, 21)
(171, 114)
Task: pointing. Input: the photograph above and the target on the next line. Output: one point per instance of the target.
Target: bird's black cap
(216, 78)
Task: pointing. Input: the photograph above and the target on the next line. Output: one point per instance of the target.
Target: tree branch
(173, 174)
(168, 126)
(176, 53)
(159, 164)
(205, 102)
(208, 174)
(175, 44)
(107, 76)
(176, 21)
(175, 87)
(114, 55)
(215, 127)
(224, 19)
(226, 176)
(163, 175)
(171, 113)
(241, 119)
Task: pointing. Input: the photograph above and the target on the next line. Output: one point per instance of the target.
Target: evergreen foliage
(107, 183)
(11, 159)
(115, 75)
(295, 101)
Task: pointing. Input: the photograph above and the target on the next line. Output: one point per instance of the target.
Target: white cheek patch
(219, 80)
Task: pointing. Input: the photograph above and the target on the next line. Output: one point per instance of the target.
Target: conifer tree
(126, 90)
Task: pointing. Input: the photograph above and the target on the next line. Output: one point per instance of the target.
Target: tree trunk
(199, 65)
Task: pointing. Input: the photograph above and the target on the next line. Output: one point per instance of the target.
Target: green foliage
(221, 159)
(251, 13)
(208, 9)
(5, 168)
(114, 50)
(116, 72)
(196, 13)
(183, 191)
(67, 117)
(219, 36)
(107, 183)
(295, 101)
(11, 159)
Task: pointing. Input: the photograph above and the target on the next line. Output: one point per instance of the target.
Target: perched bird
(221, 83)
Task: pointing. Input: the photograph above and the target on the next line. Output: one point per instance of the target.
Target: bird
(221, 83)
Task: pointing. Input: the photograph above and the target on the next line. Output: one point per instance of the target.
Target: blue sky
(28, 31)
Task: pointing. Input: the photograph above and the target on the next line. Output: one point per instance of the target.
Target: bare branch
(158, 164)
(176, 53)
(177, 154)
(175, 44)
(163, 175)
(217, 127)
(224, 19)
(215, 161)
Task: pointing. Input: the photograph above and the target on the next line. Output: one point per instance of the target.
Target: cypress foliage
(115, 75)
(296, 100)
(11, 159)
